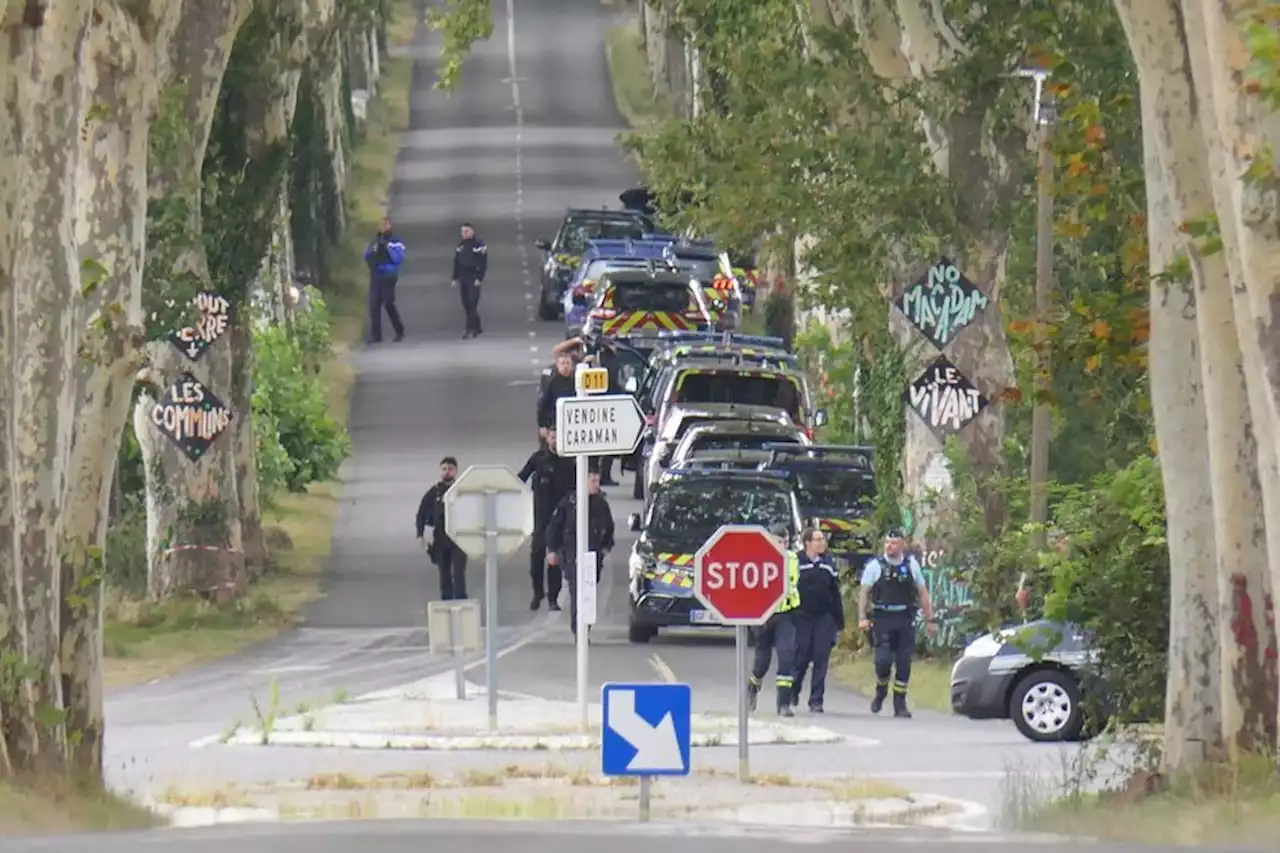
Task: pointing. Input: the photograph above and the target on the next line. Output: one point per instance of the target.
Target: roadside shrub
(312, 329)
(124, 559)
(289, 403)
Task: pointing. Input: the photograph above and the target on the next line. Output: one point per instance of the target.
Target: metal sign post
(453, 628)
(591, 424)
(489, 513)
(740, 576)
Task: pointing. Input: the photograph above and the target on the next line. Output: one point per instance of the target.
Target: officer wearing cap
(819, 617)
(779, 634)
(893, 588)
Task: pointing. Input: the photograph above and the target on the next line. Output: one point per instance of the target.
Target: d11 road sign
(606, 425)
(494, 491)
(740, 574)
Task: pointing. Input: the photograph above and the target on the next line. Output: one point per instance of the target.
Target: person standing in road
(779, 634)
(470, 263)
(551, 477)
(443, 551)
(819, 617)
(562, 537)
(383, 256)
(893, 586)
(561, 384)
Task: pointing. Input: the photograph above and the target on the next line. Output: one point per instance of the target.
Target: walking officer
(383, 256)
(442, 550)
(470, 263)
(819, 616)
(562, 537)
(552, 477)
(893, 585)
(779, 634)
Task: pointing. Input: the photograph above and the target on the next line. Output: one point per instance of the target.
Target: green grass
(1235, 806)
(41, 808)
(144, 640)
(929, 689)
(633, 90)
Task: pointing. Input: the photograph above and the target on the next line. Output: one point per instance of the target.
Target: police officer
(819, 617)
(442, 550)
(552, 477)
(562, 541)
(779, 634)
(893, 585)
(561, 384)
(383, 256)
(470, 263)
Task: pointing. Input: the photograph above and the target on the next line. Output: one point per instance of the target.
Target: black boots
(785, 696)
(900, 706)
(882, 693)
(753, 694)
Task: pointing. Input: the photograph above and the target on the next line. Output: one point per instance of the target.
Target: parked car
(1035, 674)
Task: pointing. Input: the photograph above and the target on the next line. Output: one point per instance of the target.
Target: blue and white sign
(646, 729)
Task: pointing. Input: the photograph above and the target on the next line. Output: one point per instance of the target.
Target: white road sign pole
(491, 605)
(593, 423)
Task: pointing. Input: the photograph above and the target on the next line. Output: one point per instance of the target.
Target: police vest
(792, 601)
(895, 589)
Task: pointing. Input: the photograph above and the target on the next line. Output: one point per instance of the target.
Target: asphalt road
(530, 132)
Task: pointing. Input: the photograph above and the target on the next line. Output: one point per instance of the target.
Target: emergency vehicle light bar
(734, 338)
(726, 472)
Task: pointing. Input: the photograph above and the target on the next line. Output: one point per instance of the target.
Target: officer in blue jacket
(892, 588)
(470, 263)
(383, 256)
(819, 618)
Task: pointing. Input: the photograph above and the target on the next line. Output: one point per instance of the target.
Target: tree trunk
(1231, 134)
(194, 540)
(126, 56)
(906, 44)
(1193, 715)
(44, 105)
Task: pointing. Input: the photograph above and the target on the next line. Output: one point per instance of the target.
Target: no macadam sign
(740, 574)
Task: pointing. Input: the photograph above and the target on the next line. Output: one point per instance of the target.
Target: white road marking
(280, 670)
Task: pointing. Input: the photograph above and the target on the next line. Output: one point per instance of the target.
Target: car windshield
(650, 296)
(835, 488)
(687, 512)
(600, 266)
(702, 270)
(753, 389)
(577, 234)
(739, 440)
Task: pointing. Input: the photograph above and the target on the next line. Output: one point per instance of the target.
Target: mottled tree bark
(906, 43)
(126, 55)
(1186, 384)
(193, 515)
(42, 105)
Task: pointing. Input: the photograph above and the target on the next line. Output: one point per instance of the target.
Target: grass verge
(930, 687)
(1239, 806)
(633, 90)
(145, 640)
(43, 808)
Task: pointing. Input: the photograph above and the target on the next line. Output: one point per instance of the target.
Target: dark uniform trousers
(893, 637)
(776, 635)
(452, 562)
(382, 296)
(546, 579)
(471, 303)
(571, 580)
(815, 638)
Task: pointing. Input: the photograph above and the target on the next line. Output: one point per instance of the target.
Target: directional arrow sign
(605, 425)
(646, 729)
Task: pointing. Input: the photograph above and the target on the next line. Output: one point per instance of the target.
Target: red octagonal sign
(740, 574)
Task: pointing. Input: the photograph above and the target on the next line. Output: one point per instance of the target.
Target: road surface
(530, 132)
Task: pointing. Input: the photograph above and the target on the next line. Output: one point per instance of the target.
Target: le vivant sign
(944, 397)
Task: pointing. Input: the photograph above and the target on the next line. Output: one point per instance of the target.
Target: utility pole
(1041, 416)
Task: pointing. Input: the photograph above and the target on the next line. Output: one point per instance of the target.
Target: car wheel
(640, 633)
(1046, 707)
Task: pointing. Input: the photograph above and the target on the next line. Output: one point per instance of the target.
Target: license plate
(702, 617)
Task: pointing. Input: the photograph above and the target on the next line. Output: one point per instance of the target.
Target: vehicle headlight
(986, 646)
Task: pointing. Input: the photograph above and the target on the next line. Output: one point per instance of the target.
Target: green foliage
(125, 555)
(313, 330)
(299, 443)
(463, 23)
(780, 315)
(316, 219)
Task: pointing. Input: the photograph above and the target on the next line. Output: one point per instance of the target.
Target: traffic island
(427, 715)
(551, 792)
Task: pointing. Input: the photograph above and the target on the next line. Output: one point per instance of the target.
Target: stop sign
(740, 574)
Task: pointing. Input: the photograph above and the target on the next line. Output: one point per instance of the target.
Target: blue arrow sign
(645, 730)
